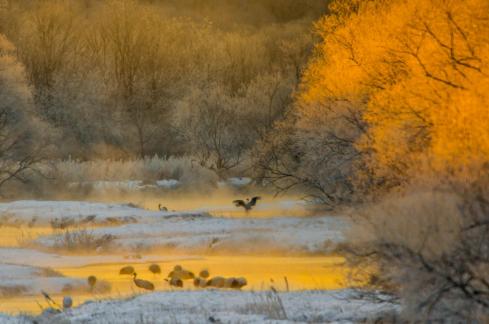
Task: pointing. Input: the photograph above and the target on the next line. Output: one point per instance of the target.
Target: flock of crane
(177, 277)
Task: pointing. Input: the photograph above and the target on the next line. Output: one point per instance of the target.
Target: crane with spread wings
(248, 204)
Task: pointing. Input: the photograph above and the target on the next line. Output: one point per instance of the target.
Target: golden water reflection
(261, 273)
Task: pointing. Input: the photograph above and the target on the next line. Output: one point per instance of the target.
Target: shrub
(431, 248)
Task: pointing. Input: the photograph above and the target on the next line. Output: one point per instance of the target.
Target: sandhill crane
(162, 208)
(67, 302)
(216, 282)
(92, 280)
(248, 205)
(231, 283)
(241, 282)
(200, 282)
(175, 282)
(144, 284)
(180, 273)
(204, 274)
(155, 269)
(127, 270)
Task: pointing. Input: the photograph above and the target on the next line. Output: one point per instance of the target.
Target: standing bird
(241, 282)
(248, 205)
(127, 270)
(216, 282)
(204, 274)
(200, 282)
(67, 302)
(175, 282)
(180, 273)
(144, 284)
(155, 269)
(162, 208)
(92, 280)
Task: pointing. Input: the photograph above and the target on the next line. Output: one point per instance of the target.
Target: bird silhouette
(200, 282)
(216, 282)
(67, 302)
(127, 270)
(144, 284)
(180, 273)
(155, 269)
(204, 274)
(175, 282)
(248, 205)
(92, 280)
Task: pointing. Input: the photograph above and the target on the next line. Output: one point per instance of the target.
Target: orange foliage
(418, 73)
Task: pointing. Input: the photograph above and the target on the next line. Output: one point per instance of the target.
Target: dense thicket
(123, 78)
(395, 90)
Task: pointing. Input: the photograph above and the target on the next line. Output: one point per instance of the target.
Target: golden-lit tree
(417, 74)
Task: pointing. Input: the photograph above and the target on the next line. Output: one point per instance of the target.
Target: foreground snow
(226, 307)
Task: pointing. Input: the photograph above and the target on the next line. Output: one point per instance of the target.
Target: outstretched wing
(239, 203)
(254, 200)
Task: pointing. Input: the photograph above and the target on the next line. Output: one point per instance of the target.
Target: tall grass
(269, 304)
(82, 240)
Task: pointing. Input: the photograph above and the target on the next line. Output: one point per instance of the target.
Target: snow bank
(27, 280)
(43, 259)
(228, 307)
(27, 212)
(236, 182)
(239, 235)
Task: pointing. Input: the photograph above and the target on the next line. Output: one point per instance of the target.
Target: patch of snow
(45, 212)
(125, 185)
(240, 235)
(28, 280)
(228, 307)
(168, 183)
(239, 181)
(43, 259)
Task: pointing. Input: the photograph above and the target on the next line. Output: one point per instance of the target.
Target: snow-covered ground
(187, 234)
(44, 259)
(21, 279)
(41, 213)
(140, 185)
(184, 231)
(239, 235)
(227, 307)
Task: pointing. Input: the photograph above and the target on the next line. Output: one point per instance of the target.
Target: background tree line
(125, 79)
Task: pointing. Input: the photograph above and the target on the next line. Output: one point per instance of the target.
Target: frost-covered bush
(21, 132)
(149, 170)
(431, 247)
(82, 240)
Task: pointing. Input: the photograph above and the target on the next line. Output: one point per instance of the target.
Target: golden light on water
(301, 273)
